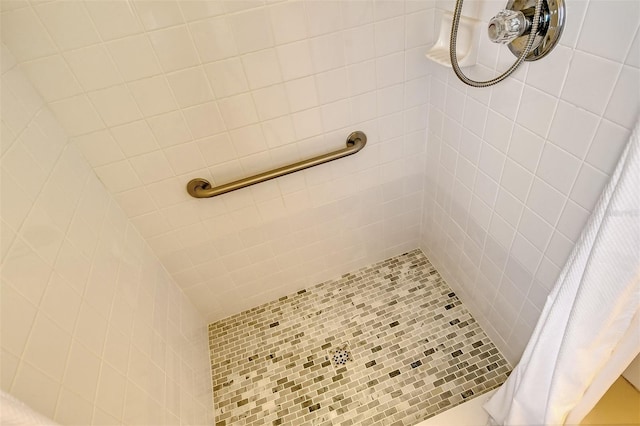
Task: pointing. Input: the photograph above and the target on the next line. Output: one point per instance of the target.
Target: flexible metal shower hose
(507, 73)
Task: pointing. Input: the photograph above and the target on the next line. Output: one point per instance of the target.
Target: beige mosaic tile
(390, 344)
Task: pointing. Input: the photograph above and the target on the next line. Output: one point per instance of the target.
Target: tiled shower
(388, 344)
(111, 272)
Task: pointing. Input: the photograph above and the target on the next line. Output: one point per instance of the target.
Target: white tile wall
(94, 330)
(156, 93)
(546, 147)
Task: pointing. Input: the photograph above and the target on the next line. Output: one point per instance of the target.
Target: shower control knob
(507, 26)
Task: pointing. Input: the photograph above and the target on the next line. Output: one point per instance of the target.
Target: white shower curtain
(589, 329)
(14, 412)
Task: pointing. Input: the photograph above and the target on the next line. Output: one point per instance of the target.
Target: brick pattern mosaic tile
(390, 344)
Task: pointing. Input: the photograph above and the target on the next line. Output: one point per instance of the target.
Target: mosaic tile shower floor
(390, 344)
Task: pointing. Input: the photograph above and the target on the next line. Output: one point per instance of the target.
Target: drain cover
(340, 356)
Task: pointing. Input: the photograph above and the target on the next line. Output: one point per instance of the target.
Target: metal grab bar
(201, 188)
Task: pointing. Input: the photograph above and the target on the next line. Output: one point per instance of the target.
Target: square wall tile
(387, 70)
(505, 98)
(82, 379)
(217, 149)
(525, 148)
(99, 148)
(25, 36)
(384, 9)
(389, 36)
(357, 44)
(136, 202)
(357, 13)
(204, 120)
(68, 23)
(248, 140)
(607, 146)
(27, 271)
(623, 106)
(77, 115)
(174, 48)
(323, 17)
(573, 129)
(151, 167)
(115, 105)
(185, 158)
(558, 168)
(169, 129)
(227, 77)
(153, 95)
(615, 18)
(18, 316)
(279, 132)
(238, 111)
(156, 14)
(271, 102)
(559, 249)
(498, 131)
(362, 77)
(113, 19)
(491, 162)
(196, 9)
(252, 30)
(135, 138)
(536, 110)
(72, 408)
(327, 52)
(93, 67)
(302, 94)
(508, 207)
(549, 76)
(545, 201)
(61, 303)
(48, 389)
(111, 390)
(118, 177)
(475, 115)
(213, 38)
(288, 21)
(262, 68)
(48, 347)
(52, 77)
(633, 56)
(588, 186)
(134, 57)
(190, 86)
(583, 71)
(419, 28)
(572, 220)
(295, 60)
(332, 85)
(516, 180)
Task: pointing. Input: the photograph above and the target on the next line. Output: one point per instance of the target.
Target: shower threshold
(389, 344)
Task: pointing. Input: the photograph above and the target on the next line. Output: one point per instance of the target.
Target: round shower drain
(341, 356)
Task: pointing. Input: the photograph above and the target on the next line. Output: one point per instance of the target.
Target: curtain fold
(589, 329)
(14, 412)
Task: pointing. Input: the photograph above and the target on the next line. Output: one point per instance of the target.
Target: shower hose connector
(503, 28)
